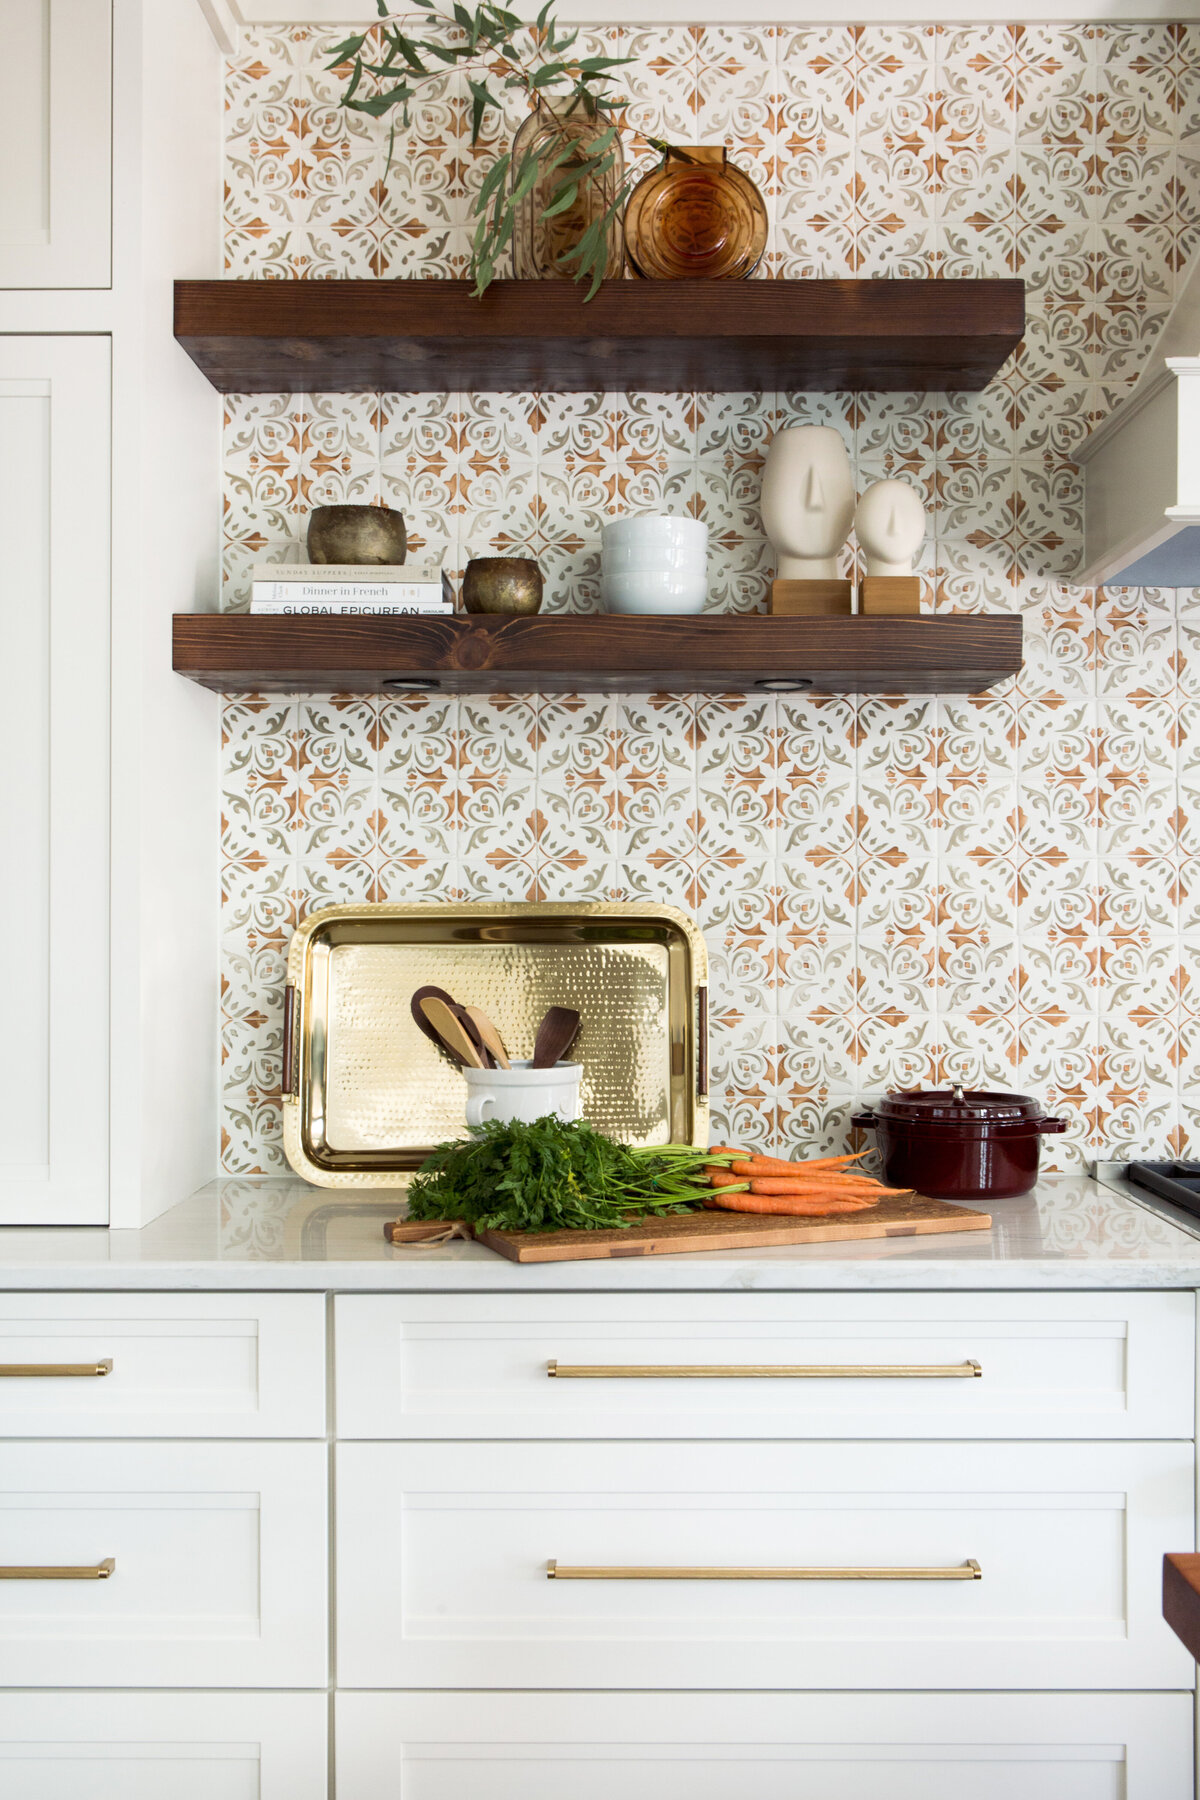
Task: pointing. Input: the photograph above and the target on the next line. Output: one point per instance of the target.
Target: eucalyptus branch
(493, 45)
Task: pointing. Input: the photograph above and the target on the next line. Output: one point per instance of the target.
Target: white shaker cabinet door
(54, 648)
(623, 1565)
(763, 1747)
(56, 168)
(114, 1746)
(162, 1565)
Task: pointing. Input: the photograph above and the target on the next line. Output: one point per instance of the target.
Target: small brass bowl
(502, 584)
(356, 534)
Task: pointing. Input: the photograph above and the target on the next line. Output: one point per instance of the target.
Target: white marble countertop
(278, 1234)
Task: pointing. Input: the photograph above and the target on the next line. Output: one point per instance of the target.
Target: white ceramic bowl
(655, 541)
(654, 590)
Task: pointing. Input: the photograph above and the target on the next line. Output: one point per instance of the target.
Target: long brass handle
(89, 1572)
(762, 1371)
(103, 1367)
(968, 1571)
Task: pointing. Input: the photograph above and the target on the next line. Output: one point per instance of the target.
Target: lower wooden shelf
(936, 654)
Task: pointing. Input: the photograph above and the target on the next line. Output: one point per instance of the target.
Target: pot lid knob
(958, 1092)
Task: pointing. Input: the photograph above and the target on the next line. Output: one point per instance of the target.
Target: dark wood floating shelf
(937, 654)
(254, 337)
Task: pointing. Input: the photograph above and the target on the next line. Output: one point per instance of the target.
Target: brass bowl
(356, 534)
(502, 584)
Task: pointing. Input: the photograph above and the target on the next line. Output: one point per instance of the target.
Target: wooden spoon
(489, 1037)
(555, 1035)
(451, 1032)
(429, 993)
(463, 1015)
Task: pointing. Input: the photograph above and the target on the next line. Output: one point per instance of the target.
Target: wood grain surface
(1181, 1598)
(955, 654)
(263, 336)
(684, 1232)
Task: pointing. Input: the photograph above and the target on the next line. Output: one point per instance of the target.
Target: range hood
(1141, 468)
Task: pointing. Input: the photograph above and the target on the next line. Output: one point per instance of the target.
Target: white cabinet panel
(115, 1746)
(54, 637)
(56, 170)
(182, 1365)
(220, 1565)
(764, 1747)
(443, 1552)
(1053, 1365)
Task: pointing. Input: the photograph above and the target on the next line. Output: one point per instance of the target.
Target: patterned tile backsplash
(1001, 890)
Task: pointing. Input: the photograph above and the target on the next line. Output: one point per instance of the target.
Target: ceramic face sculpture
(807, 501)
(890, 524)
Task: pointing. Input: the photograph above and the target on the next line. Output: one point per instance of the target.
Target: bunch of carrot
(747, 1181)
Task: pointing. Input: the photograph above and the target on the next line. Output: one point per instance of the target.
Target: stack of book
(348, 588)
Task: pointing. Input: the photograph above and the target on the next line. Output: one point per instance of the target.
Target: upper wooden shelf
(254, 337)
(559, 652)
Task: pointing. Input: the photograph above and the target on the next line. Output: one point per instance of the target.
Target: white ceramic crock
(523, 1092)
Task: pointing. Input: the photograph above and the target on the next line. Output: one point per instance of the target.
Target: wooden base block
(881, 594)
(811, 599)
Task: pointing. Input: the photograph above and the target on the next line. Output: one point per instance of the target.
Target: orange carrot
(868, 1195)
(775, 1165)
(785, 1204)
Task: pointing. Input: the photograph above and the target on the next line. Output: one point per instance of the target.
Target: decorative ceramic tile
(1003, 888)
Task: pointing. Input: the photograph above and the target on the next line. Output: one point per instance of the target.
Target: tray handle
(702, 1043)
(289, 1079)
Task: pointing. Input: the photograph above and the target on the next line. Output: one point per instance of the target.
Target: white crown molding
(701, 12)
(225, 21)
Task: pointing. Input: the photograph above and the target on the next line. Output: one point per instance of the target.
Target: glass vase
(538, 243)
(696, 216)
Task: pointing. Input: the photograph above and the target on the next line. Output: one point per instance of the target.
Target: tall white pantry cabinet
(109, 469)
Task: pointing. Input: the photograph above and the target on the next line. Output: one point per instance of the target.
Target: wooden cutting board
(913, 1216)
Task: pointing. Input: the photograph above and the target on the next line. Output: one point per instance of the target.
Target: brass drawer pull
(968, 1571)
(762, 1371)
(90, 1572)
(103, 1367)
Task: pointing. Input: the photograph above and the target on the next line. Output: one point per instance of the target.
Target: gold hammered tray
(366, 1095)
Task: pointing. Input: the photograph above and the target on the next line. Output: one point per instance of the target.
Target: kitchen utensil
(523, 1092)
(555, 1035)
(365, 1093)
(453, 1034)
(914, 1216)
(488, 1035)
(960, 1144)
(423, 1025)
(654, 563)
(463, 1015)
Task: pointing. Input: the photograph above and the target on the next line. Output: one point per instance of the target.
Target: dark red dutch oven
(959, 1145)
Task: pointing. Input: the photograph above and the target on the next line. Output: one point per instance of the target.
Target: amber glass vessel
(537, 242)
(698, 217)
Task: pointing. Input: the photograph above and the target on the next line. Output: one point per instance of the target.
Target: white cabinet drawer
(1053, 1365)
(443, 1552)
(115, 1746)
(220, 1565)
(182, 1365)
(764, 1747)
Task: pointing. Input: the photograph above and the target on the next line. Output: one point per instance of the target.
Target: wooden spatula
(489, 1037)
(555, 1035)
(422, 1023)
(450, 1032)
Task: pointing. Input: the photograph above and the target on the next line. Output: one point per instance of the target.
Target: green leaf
(544, 15)
(379, 104)
(381, 8)
(563, 200)
(343, 52)
(481, 99)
